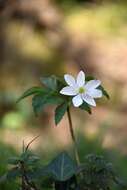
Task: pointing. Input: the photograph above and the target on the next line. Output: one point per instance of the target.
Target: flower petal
(68, 90)
(92, 84)
(69, 80)
(81, 79)
(89, 100)
(77, 101)
(95, 93)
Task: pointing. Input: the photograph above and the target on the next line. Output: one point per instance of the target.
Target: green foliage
(60, 111)
(105, 93)
(49, 94)
(86, 107)
(13, 160)
(97, 173)
(26, 160)
(32, 91)
(49, 82)
(6, 152)
(39, 102)
(61, 168)
(22, 166)
(60, 171)
(88, 78)
(26, 157)
(13, 174)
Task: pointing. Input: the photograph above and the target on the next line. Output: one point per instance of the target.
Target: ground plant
(63, 172)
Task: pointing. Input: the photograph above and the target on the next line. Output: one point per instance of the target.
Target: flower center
(81, 90)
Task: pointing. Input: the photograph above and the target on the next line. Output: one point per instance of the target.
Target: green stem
(73, 136)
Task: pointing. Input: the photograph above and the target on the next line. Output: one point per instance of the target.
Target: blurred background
(44, 37)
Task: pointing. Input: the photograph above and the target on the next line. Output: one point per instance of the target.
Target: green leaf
(49, 82)
(105, 93)
(31, 91)
(13, 173)
(38, 173)
(25, 156)
(62, 167)
(41, 173)
(60, 111)
(40, 101)
(88, 78)
(86, 107)
(54, 100)
(28, 158)
(32, 161)
(13, 160)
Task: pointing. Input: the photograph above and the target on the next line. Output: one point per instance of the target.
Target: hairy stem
(26, 181)
(73, 136)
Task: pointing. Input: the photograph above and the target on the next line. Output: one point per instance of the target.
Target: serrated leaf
(60, 111)
(105, 93)
(39, 102)
(49, 82)
(86, 107)
(62, 167)
(31, 91)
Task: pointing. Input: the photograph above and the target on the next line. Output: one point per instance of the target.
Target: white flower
(81, 90)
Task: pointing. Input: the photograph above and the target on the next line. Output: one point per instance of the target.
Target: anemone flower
(81, 90)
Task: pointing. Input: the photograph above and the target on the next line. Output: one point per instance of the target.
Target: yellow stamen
(81, 90)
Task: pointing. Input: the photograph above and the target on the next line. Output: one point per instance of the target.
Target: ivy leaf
(86, 107)
(31, 91)
(60, 111)
(40, 101)
(105, 93)
(62, 167)
(49, 82)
